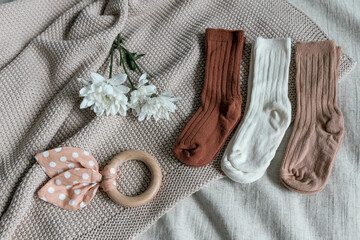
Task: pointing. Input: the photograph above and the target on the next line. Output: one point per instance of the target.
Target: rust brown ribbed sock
(319, 124)
(220, 110)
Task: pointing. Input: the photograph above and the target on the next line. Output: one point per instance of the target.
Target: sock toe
(235, 154)
(238, 175)
(190, 155)
(307, 186)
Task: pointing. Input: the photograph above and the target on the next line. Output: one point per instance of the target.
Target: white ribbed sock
(267, 115)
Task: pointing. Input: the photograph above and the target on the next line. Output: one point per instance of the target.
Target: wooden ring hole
(154, 186)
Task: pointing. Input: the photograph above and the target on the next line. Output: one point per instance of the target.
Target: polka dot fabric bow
(75, 177)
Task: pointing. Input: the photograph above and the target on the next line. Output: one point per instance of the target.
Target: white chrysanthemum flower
(141, 95)
(105, 95)
(158, 107)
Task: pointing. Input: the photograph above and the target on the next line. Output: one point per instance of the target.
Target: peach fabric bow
(75, 177)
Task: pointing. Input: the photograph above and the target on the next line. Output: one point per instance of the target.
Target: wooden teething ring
(155, 183)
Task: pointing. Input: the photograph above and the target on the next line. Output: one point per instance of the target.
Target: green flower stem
(111, 60)
(123, 63)
(127, 51)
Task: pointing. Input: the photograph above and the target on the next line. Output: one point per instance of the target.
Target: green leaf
(139, 56)
(130, 62)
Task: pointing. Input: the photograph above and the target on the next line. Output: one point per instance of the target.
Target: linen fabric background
(47, 45)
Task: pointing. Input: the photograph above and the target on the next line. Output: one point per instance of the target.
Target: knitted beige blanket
(45, 45)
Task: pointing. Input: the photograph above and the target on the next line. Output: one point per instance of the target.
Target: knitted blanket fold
(46, 45)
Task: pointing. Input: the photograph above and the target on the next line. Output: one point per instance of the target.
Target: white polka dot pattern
(72, 202)
(57, 149)
(62, 196)
(74, 173)
(51, 190)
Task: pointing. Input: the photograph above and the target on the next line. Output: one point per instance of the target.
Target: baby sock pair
(267, 114)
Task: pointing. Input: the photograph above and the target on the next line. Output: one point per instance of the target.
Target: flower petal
(108, 89)
(141, 117)
(83, 91)
(118, 79)
(84, 103)
(99, 112)
(83, 81)
(107, 112)
(113, 110)
(122, 111)
(90, 102)
(122, 89)
(96, 78)
(142, 77)
(147, 90)
(142, 80)
(166, 94)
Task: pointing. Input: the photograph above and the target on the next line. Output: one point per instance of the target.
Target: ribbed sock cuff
(273, 44)
(212, 34)
(315, 47)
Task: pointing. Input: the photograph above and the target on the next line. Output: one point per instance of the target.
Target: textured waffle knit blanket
(46, 45)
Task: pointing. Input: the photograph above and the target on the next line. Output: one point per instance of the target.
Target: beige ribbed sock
(319, 124)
